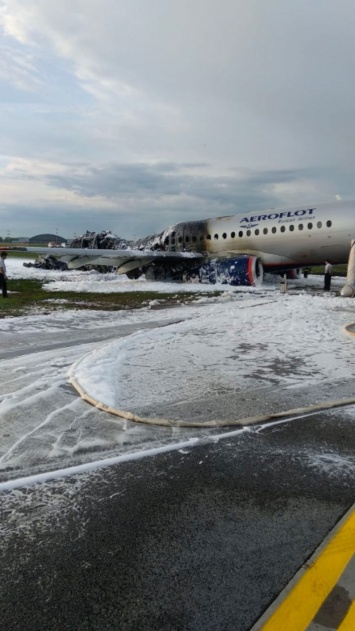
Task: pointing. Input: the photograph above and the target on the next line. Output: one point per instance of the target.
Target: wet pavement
(203, 537)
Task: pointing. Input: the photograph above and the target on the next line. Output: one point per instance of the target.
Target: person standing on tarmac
(3, 277)
(327, 275)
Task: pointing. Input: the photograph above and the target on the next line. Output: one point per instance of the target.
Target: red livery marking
(250, 271)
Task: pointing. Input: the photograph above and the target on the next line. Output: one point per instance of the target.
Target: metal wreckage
(192, 263)
(107, 241)
(100, 240)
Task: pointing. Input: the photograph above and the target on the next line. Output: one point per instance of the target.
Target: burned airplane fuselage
(187, 236)
(233, 249)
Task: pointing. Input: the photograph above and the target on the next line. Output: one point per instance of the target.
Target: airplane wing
(124, 260)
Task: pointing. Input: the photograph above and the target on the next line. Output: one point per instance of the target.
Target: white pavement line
(107, 462)
(100, 464)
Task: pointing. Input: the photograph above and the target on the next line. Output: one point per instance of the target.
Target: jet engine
(240, 270)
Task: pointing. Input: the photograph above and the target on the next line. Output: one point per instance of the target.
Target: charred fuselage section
(205, 261)
(101, 241)
(187, 236)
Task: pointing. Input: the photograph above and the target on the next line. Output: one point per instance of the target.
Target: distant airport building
(20, 240)
(48, 238)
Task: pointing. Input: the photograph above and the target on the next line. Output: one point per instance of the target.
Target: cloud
(19, 69)
(169, 108)
(138, 199)
(233, 191)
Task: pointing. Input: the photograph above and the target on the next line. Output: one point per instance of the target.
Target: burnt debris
(47, 262)
(189, 236)
(101, 241)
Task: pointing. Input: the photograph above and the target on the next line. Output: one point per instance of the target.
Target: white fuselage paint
(304, 236)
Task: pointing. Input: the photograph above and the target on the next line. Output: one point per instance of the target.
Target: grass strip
(28, 296)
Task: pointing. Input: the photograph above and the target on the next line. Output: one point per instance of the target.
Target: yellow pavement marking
(300, 606)
(348, 623)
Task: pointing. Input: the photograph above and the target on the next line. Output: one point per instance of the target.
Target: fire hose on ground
(250, 420)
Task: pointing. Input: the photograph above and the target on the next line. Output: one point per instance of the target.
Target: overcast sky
(132, 115)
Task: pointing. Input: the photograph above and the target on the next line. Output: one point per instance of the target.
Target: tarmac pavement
(204, 537)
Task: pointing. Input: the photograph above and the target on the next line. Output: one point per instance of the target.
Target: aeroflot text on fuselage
(294, 213)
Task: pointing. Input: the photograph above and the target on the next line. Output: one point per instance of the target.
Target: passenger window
(257, 231)
(194, 239)
(187, 238)
(310, 226)
(240, 234)
(216, 236)
(248, 233)
(329, 223)
(319, 224)
(232, 235)
(166, 240)
(273, 230)
(209, 237)
(282, 229)
(292, 227)
(300, 226)
(224, 235)
(172, 241)
(180, 239)
(265, 231)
